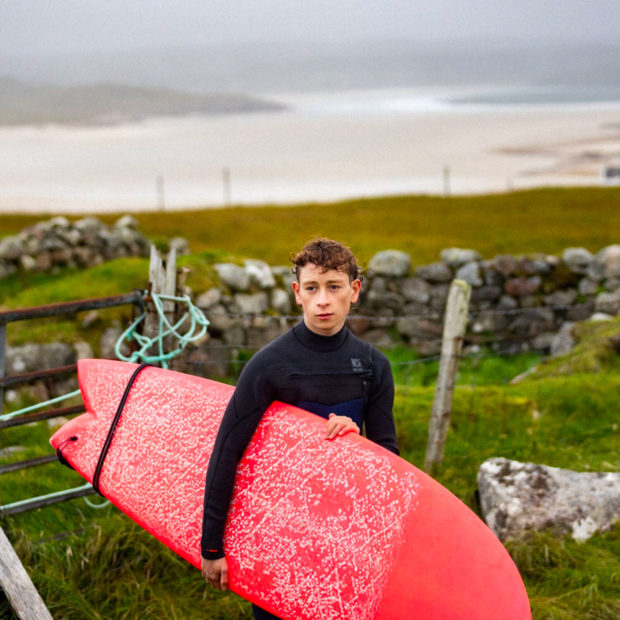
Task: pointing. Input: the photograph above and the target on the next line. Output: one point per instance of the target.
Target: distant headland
(106, 103)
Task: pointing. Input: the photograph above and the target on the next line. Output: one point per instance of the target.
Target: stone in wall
(606, 264)
(578, 260)
(456, 257)
(435, 273)
(260, 274)
(31, 357)
(108, 340)
(415, 290)
(235, 277)
(390, 263)
(254, 303)
(209, 298)
(563, 340)
(280, 301)
(470, 273)
(608, 303)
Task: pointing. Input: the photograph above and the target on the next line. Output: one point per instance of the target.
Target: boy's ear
(296, 291)
(356, 285)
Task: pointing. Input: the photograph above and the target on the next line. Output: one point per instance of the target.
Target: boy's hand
(216, 572)
(340, 425)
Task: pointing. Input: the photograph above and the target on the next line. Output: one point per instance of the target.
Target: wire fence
(478, 347)
(427, 312)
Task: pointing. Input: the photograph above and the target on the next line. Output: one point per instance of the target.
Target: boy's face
(325, 298)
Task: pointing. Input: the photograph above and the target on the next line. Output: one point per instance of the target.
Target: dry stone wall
(518, 303)
(57, 242)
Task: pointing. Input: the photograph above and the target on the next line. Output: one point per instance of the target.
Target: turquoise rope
(196, 330)
(52, 401)
(198, 324)
(93, 505)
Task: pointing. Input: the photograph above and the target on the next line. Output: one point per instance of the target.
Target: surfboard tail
(82, 432)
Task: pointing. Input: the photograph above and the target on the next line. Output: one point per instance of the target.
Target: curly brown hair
(327, 254)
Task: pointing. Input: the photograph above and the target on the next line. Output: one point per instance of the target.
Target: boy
(320, 366)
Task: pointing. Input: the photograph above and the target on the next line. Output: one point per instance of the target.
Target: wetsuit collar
(316, 342)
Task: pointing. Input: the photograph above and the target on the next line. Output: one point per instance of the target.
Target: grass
(98, 564)
(594, 350)
(410, 369)
(91, 563)
(567, 579)
(542, 220)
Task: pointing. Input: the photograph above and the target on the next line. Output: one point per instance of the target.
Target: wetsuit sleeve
(251, 398)
(379, 418)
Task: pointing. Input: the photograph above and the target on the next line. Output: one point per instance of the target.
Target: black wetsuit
(324, 374)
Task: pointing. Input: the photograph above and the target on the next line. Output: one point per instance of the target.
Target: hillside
(91, 563)
(103, 103)
(520, 222)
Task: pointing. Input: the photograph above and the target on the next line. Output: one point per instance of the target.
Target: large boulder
(519, 497)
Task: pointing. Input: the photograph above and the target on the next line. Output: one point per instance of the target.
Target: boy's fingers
(339, 425)
(353, 428)
(224, 579)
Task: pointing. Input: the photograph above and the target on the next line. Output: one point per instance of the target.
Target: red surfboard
(317, 529)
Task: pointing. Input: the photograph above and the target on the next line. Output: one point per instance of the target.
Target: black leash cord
(117, 417)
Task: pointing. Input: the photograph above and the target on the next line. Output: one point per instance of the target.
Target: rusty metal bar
(41, 460)
(2, 358)
(31, 377)
(46, 500)
(41, 415)
(69, 307)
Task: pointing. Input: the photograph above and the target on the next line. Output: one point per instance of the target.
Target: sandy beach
(324, 148)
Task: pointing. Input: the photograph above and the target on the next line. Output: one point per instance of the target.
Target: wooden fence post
(2, 362)
(163, 281)
(455, 322)
(17, 585)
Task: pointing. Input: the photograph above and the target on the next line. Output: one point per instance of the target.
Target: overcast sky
(58, 26)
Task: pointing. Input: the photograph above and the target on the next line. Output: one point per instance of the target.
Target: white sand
(325, 150)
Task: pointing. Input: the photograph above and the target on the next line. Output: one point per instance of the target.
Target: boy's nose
(322, 297)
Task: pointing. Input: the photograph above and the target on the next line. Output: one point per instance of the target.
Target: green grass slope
(95, 563)
(543, 220)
